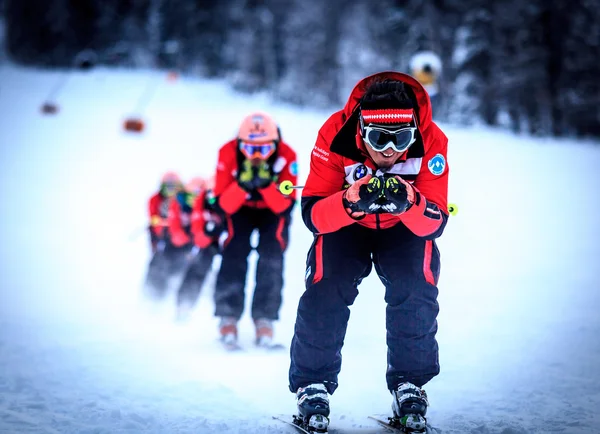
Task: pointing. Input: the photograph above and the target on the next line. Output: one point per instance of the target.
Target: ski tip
(233, 347)
(290, 422)
(272, 347)
(230, 346)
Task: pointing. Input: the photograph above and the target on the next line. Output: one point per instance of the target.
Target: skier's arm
(230, 196)
(322, 207)
(198, 223)
(275, 200)
(156, 221)
(428, 216)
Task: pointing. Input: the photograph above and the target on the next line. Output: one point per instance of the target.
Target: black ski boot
(313, 408)
(409, 407)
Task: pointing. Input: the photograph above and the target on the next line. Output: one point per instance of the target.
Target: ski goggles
(169, 188)
(257, 150)
(381, 138)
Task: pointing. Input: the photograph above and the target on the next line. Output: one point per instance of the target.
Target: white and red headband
(387, 116)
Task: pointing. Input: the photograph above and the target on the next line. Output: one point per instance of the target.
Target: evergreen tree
(2, 33)
(250, 49)
(369, 47)
(311, 37)
(579, 91)
(472, 99)
(521, 60)
(36, 31)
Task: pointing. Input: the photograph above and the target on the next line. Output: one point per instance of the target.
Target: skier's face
(169, 189)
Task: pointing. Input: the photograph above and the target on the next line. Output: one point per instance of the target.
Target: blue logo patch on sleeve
(294, 168)
(437, 164)
(360, 172)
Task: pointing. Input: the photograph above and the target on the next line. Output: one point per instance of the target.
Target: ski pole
(50, 105)
(286, 187)
(135, 122)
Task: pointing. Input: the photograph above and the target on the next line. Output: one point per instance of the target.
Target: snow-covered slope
(80, 352)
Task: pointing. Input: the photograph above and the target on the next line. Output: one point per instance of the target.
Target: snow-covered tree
(578, 94)
(366, 48)
(311, 36)
(471, 98)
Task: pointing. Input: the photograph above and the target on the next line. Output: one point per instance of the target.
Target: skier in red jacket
(177, 255)
(179, 219)
(158, 207)
(206, 227)
(162, 248)
(249, 171)
(376, 195)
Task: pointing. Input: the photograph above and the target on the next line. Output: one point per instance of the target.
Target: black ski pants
(166, 262)
(409, 268)
(195, 275)
(231, 280)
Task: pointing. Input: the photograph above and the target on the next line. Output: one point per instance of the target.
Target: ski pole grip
(286, 187)
(452, 208)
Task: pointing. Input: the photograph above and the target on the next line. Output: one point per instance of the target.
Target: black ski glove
(213, 227)
(399, 195)
(363, 197)
(251, 177)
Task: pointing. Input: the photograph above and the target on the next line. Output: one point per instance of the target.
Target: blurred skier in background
(207, 226)
(376, 194)
(175, 245)
(158, 209)
(249, 171)
(180, 213)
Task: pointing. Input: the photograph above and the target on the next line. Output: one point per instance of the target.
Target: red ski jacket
(339, 159)
(201, 215)
(158, 210)
(231, 197)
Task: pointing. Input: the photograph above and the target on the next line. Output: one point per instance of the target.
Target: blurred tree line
(532, 66)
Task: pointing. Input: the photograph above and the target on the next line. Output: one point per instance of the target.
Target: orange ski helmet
(170, 178)
(258, 127)
(258, 136)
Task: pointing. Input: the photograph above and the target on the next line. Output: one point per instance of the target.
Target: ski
(297, 423)
(271, 347)
(294, 424)
(389, 425)
(236, 346)
(232, 346)
(394, 426)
